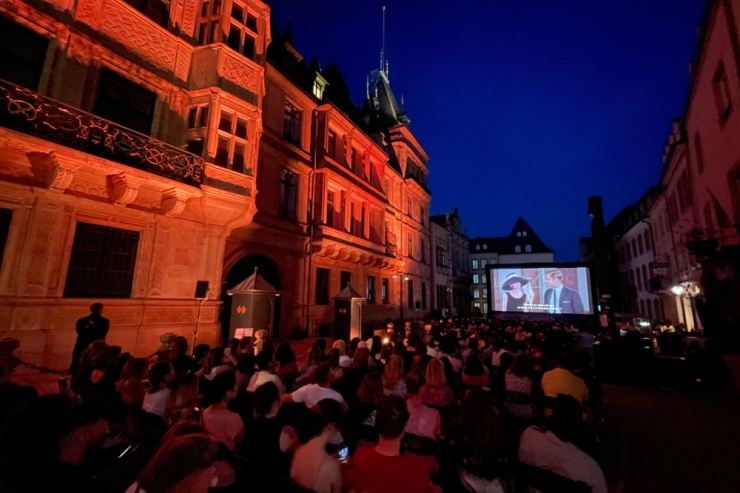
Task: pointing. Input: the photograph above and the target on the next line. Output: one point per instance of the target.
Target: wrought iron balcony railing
(28, 112)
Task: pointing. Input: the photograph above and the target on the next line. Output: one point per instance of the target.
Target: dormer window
(477, 247)
(485, 246)
(242, 31)
(528, 248)
(517, 249)
(524, 233)
(518, 233)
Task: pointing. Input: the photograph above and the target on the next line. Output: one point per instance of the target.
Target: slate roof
(505, 245)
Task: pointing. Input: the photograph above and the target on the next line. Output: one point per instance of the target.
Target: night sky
(525, 107)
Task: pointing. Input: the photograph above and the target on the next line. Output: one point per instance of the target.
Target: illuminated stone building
(343, 198)
(133, 162)
(451, 268)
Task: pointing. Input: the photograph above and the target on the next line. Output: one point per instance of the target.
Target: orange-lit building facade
(343, 199)
(145, 146)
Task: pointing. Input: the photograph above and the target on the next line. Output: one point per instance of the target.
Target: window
(441, 256)
(518, 233)
(423, 296)
(330, 208)
(410, 294)
(648, 242)
(524, 233)
(102, 262)
(485, 246)
(517, 249)
(331, 144)
(476, 279)
(476, 306)
(634, 248)
(408, 206)
(645, 278)
(483, 264)
(318, 88)
(344, 279)
(125, 103)
(370, 293)
(384, 294)
(241, 37)
(638, 277)
(422, 212)
(155, 10)
(292, 124)
(475, 264)
(409, 245)
(477, 247)
(639, 244)
(722, 95)
(198, 117)
(22, 54)
(528, 248)
(322, 286)
(288, 190)
(485, 307)
(6, 215)
(698, 154)
(632, 278)
(423, 248)
(208, 22)
(232, 142)
(493, 260)
(483, 279)
(476, 293)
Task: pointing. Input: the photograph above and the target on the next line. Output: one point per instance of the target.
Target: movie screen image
(555, 290)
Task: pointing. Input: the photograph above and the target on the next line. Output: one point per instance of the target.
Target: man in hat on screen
(514, 297)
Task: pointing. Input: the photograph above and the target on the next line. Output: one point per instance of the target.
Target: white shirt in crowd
(311, 394)
(456, 363)
(156, 403)
(262, 377)
(496, 358)
(544, 450)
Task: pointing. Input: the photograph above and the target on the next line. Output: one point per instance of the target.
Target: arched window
(648, 243)
(517, 249)
(477, 247)
(642, 307)
(528, 248)
(524, 233)
(634, 248)
(518, 233)
(639, 244)
(645, 278)
(485, 246)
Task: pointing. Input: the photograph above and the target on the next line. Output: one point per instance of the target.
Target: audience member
(393, 383)
(155, 398)
(223, 425)
(312, 394)
(312, 467)
(265, 373)
(423, 420)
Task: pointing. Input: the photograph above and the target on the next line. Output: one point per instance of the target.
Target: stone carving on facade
(80, 50)
(39, 251)
(182, 66)
(216, 172)
(189, 9)
(161, 241)
(88, 12)
(238, 71)
(174, 200)
(123, 188)
(55, 173)
(125, 25)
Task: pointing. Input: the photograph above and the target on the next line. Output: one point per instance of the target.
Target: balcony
(27, 112)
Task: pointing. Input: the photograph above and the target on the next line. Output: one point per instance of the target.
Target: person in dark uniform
(89, 329)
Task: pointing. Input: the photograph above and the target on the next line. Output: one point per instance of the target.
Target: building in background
(148, 146)
(640, 267)
(696, 266)
(451, 267)
(522, 246)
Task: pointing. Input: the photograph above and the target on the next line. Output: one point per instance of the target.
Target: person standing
(91, 328)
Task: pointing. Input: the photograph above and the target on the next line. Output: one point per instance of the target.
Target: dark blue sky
(525, 107)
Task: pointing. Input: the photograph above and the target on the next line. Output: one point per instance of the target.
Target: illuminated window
(232, 142)
(485, 307)
(477, 247)
(518, 233)
(331, 145)
(410, 246)
(156, 10)
(242, 31)
(102, 262)
(208, 22)
(517, 249)
(475, 264)
(528, 248)
(476, 279)
(722, 96)
(476, 293)
(483, 279)
(370, 293)
(292, 123)
(483, 264)
(485, 246)
(524, 233)
(22, 54)
(384, 292)
(288, 192)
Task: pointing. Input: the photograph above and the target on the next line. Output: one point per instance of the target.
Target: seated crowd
(452, 406)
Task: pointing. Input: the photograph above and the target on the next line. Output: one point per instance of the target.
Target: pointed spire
(382, 48)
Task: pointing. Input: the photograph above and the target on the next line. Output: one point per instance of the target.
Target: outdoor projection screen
(553, 289)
